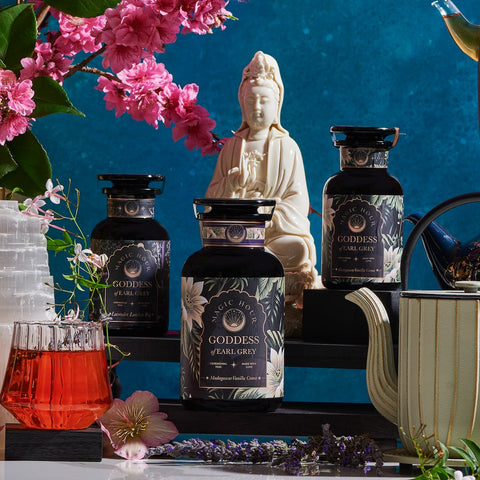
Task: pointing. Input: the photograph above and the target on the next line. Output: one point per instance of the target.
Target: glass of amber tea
(57, 375)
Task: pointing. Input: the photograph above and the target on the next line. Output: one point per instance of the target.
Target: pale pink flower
(46, 222)
(77, 34)
(52, 192)
(135, 424)
(97, 261)
(73, 315)
(33, 206)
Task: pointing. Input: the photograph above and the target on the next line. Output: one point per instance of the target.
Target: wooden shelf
(297, 353)
(291, 419)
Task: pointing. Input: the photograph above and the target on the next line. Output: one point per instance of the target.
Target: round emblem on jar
(132, 208)
(234, 320)
(132, 268)
(236, 233)
(357, 223)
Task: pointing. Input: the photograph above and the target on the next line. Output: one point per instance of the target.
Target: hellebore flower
(135, 424)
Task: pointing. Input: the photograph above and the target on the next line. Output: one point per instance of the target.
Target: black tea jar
(233, 306)
(138, 250)
(362, 213)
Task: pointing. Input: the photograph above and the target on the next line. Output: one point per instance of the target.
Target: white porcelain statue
(261, 160)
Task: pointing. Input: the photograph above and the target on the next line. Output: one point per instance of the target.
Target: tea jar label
(137, 273)
(232, 338)
(363, 237)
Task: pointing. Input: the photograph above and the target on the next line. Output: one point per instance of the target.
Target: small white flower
(80, 255)
(460, 476)
(275, 369)
(391, 264)
(52, 192)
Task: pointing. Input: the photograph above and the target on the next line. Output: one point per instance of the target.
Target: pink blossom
(200, 16)
(77, 34)
(16, 103)
(164, 7)
(46, 61)
(187, 99)
(20, 97)
(145, 77)
(168, 27)
(135, 424)
(197, 127)
(137, 26)
(11, 125)
(139, 92)
(118, 57)
(115, 96)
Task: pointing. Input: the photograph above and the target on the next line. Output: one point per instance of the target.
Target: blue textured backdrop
(354, 62)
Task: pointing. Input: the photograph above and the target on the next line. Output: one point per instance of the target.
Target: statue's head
(261, 73)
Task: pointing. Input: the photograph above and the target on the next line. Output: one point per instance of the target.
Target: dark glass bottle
(138, 250)
(362, 213)
(233, 306)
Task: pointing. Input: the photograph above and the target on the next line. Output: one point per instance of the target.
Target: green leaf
(33, 169)
(83, 8)
(67, 238)
(50, 97)
(7, 163)
(18, 33)
(473, 449)
(88, 283)
(57, 244)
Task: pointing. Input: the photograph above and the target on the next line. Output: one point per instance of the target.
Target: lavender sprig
(350, 452)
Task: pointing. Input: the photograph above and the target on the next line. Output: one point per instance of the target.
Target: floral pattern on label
(232, 338)
(362, 238)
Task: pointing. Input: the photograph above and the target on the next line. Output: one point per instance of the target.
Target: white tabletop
(110, 469)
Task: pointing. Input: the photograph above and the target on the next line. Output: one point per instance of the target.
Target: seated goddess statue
(261, 160)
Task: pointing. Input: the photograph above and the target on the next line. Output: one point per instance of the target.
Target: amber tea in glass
(57, 376)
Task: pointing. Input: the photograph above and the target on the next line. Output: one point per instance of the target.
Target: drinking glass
(57, 375)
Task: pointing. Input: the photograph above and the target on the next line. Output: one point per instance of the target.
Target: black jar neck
(130, 207)
(363, 157)
(236, 233)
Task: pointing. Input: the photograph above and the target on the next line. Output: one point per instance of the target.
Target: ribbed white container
(24, 272)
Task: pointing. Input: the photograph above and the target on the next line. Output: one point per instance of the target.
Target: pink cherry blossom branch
(80, 66)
